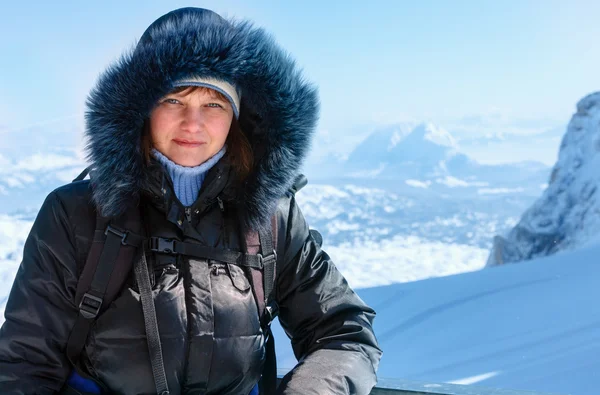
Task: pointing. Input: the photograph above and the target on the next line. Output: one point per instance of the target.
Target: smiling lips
(188, 143)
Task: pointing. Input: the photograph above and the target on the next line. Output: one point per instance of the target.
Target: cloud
(418, 184)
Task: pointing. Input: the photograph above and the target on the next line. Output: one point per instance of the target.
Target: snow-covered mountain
(399, 153)
(330, 155)
(567, 215)
(427, 154)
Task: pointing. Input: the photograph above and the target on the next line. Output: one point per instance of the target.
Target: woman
(202, 130)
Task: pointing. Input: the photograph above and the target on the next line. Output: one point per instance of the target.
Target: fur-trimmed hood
(278, 111)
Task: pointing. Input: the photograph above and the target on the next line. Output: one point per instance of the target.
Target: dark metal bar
(406, 387)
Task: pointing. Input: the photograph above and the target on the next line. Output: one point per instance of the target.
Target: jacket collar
(218, 184)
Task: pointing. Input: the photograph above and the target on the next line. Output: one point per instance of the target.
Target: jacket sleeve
(329, 325)
(40, 310)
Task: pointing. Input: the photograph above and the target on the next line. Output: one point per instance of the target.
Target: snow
(474, 379)
(363, 215)
(402, 259)
(400, 151)
(396, 137)
(531, 326)
(436, 135)
(454, 182)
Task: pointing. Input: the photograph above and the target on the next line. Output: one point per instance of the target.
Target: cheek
(158, 128)
(223, 130)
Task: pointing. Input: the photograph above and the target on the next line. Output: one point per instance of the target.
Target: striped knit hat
(228, 90)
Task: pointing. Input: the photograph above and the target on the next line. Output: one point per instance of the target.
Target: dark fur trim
(279, 109)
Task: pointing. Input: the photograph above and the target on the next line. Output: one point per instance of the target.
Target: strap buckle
(115, 231)
(270, 313)
(89, 307)
(271, 258)
(165, 246)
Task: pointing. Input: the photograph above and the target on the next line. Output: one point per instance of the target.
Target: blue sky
(374, 63)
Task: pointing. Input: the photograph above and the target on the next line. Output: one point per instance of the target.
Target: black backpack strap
(152, 334)
(268, 382)
(268, 241)
(107, 266)
(175, 247)
(299, 183)
(84, 173)
(268, 255)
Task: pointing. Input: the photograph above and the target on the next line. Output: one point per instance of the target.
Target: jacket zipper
(207, 203)
(188, 210)
(201, 206)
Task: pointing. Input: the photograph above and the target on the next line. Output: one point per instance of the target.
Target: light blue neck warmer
(187, 181)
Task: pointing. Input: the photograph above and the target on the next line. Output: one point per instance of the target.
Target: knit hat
(225, 88)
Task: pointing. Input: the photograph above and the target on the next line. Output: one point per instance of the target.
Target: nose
(193, 120)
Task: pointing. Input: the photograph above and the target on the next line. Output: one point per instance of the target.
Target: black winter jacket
(211, 337)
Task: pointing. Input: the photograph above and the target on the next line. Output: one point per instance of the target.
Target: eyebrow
(219, 98)
(214, 96)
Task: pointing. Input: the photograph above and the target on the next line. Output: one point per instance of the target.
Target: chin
(189, 159)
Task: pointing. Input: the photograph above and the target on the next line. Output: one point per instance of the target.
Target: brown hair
(239, 150)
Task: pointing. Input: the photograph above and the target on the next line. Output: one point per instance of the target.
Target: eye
(216, 105)
(171, 101)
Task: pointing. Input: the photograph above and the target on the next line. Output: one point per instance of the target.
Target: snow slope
(532, 326)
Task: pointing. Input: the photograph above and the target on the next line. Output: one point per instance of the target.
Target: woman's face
(190, 126)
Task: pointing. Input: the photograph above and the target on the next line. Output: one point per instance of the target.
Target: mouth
(188, 143)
